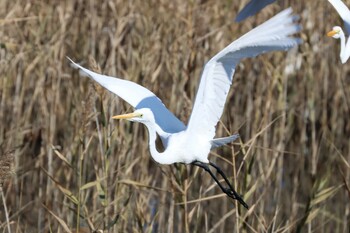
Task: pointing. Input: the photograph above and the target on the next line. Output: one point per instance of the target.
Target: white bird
(191, 144)
(252, 7)
(338, 33)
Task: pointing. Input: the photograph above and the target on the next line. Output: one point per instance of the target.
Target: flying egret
(252, 7)
(338, 33)
(191, 144)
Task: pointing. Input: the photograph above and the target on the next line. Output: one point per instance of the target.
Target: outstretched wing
(252, 8)
(218, 72)
(344, 13)
(138, 97)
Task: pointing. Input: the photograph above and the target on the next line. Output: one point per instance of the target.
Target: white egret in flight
(191, 144)
(338, 33)
(252, 7)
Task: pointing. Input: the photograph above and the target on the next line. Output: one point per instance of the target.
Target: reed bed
(76, 170)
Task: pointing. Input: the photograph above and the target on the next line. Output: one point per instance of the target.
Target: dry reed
(78, 169)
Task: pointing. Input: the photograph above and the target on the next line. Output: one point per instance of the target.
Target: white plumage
(192, 143)
(338, 33)
(187, 144)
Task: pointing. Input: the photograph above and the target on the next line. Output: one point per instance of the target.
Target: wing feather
(138, 97)
(218, 73)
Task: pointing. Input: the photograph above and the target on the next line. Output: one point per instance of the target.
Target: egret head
(335, 33)
(143, 115)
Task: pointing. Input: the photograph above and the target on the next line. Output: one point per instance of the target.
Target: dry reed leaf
(100, 190)
(93, 183)
(251, 190)
(89, 185)
(133, 39)
(65, 191)
(314, 213)
(202, 199)
(101, 194)
(324, 194)
(250, 211)
(222, 219)
(107, 165)
(87, 146)
(61, 221)
(68, 194)
(346, 184)
(344, 160)
(192, 212)
(13, 20)
(60, 156)
(156, 73)
(339, 153)
(138, 184)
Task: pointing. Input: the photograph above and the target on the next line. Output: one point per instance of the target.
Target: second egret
(338, 33)
(252, 7)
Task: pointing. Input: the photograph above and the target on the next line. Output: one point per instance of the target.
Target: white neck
(162, 158)
(344, 48)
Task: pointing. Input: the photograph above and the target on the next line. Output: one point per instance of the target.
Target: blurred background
(72, 168)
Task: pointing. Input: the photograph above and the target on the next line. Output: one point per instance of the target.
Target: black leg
(207, 169)
(229, 191)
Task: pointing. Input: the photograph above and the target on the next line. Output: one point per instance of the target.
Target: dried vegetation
(78, 169)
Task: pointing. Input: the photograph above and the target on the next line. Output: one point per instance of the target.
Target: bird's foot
(231, 193)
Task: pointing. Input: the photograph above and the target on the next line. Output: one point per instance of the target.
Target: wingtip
(69, 59)
(299, 40)
(238, 20)
(288, 10)
(73, 64)
(295, 18)
(82, 70)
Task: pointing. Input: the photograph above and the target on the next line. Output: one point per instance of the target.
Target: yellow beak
(127, 116)
(332, 33)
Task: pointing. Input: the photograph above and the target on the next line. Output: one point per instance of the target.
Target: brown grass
(78, 169)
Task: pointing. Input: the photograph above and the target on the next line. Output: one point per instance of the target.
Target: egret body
(337, 31)
(191, 144)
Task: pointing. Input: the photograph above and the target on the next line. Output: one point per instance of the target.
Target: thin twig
(5, 208)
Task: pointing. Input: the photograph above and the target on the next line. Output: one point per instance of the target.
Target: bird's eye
(141, 115)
